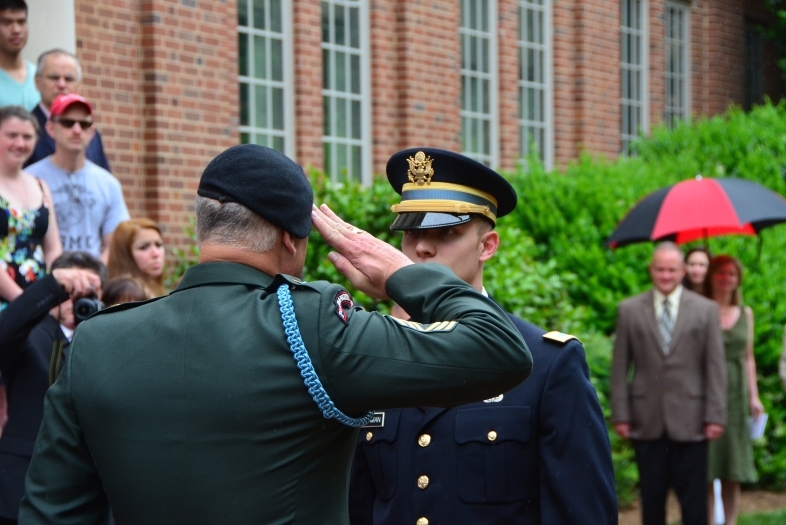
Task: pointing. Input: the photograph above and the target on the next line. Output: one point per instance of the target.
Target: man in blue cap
(536, 454)
(236, 399)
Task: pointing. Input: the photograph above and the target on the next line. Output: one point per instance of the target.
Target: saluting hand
(363, 259)
(77, 282)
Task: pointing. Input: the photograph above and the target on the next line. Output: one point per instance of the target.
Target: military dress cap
(441, 188)
(263, 180)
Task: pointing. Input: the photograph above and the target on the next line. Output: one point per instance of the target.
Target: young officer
(536, 454)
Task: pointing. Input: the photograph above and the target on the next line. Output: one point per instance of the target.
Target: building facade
(342, 84)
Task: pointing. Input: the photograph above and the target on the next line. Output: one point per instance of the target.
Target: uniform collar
(223, 273)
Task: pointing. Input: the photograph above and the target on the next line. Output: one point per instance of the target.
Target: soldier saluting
(236, 399)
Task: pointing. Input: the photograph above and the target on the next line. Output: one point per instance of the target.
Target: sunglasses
(68, 123)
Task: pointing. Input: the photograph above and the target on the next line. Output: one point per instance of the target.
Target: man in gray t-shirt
(88, 199)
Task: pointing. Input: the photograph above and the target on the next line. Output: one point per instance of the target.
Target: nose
(424, 248)
(61, 84)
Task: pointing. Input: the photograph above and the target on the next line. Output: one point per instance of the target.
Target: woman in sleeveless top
(29, 238)
(731, 456)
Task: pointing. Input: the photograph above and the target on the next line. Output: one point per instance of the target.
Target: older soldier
(192, 408)
(536, 454)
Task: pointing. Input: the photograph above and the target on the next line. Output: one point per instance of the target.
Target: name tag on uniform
(377, 421)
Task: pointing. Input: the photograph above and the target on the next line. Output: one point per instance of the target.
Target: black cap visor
(428, 220)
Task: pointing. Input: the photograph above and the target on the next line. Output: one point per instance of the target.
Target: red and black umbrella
(700, 208)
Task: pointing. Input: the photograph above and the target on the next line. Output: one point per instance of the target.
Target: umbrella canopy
(700, 208)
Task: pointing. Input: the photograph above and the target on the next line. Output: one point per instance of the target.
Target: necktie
(666, 325)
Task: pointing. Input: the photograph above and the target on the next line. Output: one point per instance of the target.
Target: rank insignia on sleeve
(344, 303)
(442, 326)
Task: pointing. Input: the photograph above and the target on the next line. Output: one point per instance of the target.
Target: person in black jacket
(59, 73)
(537, 454)
(38, 321)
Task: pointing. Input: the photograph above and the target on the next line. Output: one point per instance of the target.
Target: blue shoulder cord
(315, 388)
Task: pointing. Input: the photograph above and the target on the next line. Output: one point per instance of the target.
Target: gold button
(492, 435)
(424, 441)
(423, 482)
(422, 521)
(369, 435)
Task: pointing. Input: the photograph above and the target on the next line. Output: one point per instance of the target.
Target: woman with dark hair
(731, 456)
(137, 249)
(29, 238)
(697, 260)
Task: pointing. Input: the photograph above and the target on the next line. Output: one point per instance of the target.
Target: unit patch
(344, 303)
(378, 420)
(442, 326)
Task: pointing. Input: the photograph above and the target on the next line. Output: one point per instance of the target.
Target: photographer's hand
(77, 282)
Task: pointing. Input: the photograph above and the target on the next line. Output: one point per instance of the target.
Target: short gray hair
(232, 224)
(56, 52)
(666, 246)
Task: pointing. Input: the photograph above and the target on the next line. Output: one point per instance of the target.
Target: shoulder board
(559, 337)
(122, 307)
(442, 326)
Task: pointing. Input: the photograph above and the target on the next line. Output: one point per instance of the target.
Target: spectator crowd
(683, 381)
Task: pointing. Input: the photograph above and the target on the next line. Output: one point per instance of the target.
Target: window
(754, 69)
(345, 90)
(677, 63)
(633, 67)
(479, 126)
(265, 74)
(535, 94)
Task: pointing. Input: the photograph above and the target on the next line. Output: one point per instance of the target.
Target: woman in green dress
(731, 456)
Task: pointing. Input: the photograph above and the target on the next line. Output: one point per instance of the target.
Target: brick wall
(164, 75)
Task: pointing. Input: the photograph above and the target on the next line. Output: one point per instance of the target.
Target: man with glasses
(58, 72)
(16, 74)
(88, 199)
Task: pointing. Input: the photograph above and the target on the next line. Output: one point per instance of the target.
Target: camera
(85, 307)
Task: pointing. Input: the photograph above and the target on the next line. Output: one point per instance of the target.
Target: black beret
(263, 180)
(442, 188)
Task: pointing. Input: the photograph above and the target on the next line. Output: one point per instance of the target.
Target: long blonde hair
(121, 259)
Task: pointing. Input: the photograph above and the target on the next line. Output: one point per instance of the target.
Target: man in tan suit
(671, 339)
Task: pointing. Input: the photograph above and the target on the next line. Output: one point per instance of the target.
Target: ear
(288, 242)
(490, 244)
(50, 128)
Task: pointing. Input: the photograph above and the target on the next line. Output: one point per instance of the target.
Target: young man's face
(72, 138)
(463, 248)
(13, 31)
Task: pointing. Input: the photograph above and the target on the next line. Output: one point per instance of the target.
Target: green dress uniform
(191, 409)
(731, 455)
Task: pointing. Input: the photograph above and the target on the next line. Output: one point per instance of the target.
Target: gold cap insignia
(420, 170)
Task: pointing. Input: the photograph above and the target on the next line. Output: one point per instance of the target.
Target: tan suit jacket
(676, 393)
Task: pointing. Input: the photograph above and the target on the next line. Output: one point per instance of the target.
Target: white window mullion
(677, 62)
(479, 78)
(536, 97)
(634, 69)
(348, 155)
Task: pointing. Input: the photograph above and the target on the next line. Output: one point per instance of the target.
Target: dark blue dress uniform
(538, 454)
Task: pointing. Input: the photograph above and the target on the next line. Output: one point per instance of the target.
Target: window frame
(644, 102)
(365, 141)
(547, 7)
(287, 83)
(493, 74)
(669, 115)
